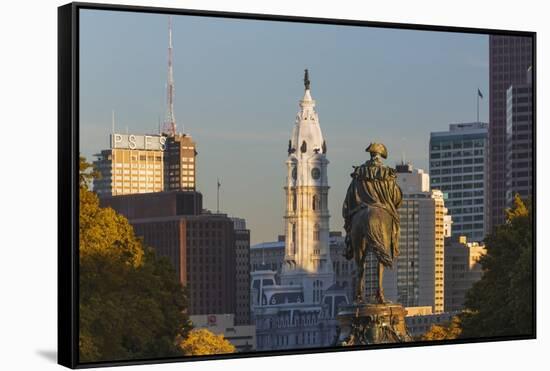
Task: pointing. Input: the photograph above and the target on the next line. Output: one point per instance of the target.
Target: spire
(170, 123)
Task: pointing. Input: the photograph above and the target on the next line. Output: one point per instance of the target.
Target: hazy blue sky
(238, 83)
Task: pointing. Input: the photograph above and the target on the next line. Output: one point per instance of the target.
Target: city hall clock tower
(307, 254)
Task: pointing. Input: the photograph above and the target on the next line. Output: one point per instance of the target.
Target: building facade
(519, 140)
(242, 271)
(145, 164)
(180, 163)
(270, 256)
(458, 160)
(298, 308)
(133, 164)
(417, 278)
(462, 270)
(509, 59)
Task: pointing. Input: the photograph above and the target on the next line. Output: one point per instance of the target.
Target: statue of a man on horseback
(371, 217)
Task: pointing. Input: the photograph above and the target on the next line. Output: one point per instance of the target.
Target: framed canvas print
(239, 185)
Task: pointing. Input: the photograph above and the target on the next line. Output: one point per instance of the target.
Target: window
(315, 201)
(316, 233)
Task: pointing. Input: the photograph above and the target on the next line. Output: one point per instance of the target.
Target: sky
(238, 84)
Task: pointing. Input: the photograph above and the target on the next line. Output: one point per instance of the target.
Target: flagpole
(218, 198)
(477, 106)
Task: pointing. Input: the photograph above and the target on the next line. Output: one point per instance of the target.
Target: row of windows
(457, 186)
(460, 227)
(466, 210)
(458, 144)
(457, 178)
(454, 170)
(467, 218)
(476, 152)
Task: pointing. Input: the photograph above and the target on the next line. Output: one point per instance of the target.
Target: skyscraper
(509, 59)
(417, 278)
(458, 168)
(519, 140)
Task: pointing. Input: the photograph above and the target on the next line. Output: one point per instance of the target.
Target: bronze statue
(371, 217)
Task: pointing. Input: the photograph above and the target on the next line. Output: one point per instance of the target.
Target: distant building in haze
(509, 59)
(458, 160)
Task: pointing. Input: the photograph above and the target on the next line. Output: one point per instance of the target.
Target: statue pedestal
(363, 324)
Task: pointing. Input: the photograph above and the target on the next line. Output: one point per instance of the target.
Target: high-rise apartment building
(458, 160)
(417, 278)
(519, 140)
(462, 270)
(509, 59)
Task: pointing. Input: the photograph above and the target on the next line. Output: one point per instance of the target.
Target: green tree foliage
(132, 305)
(500, 304)
(449, 331)
(203, 342)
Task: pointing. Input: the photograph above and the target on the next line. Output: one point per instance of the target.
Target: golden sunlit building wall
(146, 163)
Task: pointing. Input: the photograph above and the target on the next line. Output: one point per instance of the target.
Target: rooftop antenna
(113, 122)
(170, 123)
(160, 128)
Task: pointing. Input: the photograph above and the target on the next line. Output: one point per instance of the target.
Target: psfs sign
(141, 142)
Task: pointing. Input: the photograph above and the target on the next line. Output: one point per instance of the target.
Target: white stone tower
(307, 255)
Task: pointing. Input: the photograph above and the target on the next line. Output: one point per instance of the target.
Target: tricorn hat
(378, 148)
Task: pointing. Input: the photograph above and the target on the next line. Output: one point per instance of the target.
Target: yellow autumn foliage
(202, 342)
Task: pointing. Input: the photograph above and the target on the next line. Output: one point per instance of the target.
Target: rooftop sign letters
(139, 142)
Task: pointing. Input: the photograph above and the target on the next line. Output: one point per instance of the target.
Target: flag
(219, 184)
(479, 93)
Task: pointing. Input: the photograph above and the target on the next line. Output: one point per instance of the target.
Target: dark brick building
(204, 248)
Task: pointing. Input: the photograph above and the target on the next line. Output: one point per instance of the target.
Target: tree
(201, 342)
(444, 332)
(87, 173)
(500, 304)
(131, 304)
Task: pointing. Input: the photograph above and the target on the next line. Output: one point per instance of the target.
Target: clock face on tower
(315, 173)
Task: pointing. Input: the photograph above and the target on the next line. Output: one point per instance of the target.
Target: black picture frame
(68, 164)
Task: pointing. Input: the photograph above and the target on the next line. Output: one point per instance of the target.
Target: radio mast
(170, 123)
